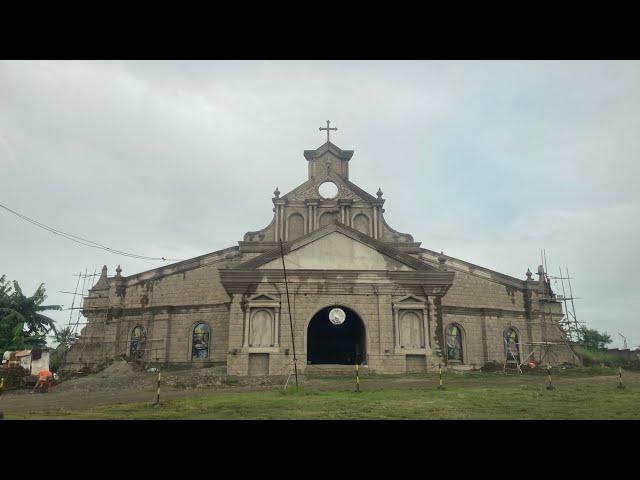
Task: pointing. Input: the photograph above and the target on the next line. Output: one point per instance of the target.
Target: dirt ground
(123, 383)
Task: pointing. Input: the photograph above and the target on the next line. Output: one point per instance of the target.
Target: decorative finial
(118, 271)
(541, 279)
(529, 274)
(276, 192)
(328, 129)
(442, 259)
(104, 272)
(379, 192)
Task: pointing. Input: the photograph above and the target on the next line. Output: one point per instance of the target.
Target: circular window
(328, 190)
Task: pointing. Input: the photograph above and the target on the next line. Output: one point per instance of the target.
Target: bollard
(357, 378)
(158, 390)
(440, 386)
(550, 385)
(620, 385)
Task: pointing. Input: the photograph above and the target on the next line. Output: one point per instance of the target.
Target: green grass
(487, 396)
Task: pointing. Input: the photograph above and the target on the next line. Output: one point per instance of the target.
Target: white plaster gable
(337, 251)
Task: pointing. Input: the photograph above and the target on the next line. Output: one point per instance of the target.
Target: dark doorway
(336, 344)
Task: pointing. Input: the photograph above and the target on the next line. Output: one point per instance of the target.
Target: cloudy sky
(487, 161)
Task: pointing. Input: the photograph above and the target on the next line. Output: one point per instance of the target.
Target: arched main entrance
(336, 344)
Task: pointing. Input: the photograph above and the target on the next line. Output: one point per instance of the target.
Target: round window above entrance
(328, 190)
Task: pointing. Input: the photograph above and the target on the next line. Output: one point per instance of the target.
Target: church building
(329, 278)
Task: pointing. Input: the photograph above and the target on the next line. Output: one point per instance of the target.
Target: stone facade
(338, 251)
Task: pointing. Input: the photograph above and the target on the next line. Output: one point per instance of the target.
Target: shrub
(591, 357)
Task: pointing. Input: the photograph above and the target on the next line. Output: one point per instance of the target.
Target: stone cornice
(248, 280)
(257, 247)
(493, 312)
(179, 267)
(117, 311)
(478, 271)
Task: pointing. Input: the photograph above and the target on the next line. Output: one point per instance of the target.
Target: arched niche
(295, 226)
(362, 224)
(328, 218)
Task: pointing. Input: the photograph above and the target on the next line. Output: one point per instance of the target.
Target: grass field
(578, 395)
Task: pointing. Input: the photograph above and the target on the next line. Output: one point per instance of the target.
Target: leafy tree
(593, 339)
(22, 325)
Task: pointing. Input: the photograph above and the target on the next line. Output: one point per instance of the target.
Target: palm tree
(64, 337)
(22, 325)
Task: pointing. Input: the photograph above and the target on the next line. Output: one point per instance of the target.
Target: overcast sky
(487, 161)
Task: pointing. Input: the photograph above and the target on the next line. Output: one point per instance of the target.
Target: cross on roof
(328, 129)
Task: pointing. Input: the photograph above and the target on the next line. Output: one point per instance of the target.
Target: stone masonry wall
(167, 306)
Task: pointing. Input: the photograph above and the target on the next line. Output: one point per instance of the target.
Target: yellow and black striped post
(1, 388)
(158, 389)
(620, 385)
(550, 385)
(440, 386)
(357, 378)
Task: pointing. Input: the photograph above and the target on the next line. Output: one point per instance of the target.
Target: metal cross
(328, 129)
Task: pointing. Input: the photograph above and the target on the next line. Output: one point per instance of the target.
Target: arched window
(138, 341)
(511, 347)
(454, 343)
(200, 341)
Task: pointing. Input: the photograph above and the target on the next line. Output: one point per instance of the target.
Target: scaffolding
(545, 351)
(73, 324)
(569, 323)
(98, 321)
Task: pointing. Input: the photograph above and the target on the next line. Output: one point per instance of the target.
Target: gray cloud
(488, 161)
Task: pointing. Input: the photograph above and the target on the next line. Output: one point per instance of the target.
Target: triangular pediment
(336, 247)
(347, 190)
(410, 299)
(337, 251)
(263, 297)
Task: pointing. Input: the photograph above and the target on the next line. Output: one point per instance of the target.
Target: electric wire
(84, 241)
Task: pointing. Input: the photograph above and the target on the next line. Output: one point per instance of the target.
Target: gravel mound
(122, 375)
(118, 375)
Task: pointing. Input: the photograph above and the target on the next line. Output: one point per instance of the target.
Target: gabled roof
(355, 235)
(328, 147)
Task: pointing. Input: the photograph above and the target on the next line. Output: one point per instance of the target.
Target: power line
(84, 241)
